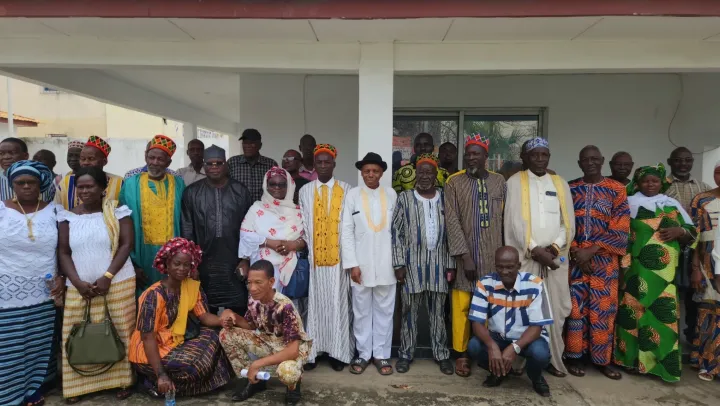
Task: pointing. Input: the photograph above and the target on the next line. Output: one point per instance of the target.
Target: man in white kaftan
(540, 224)
(367, 255)
(328, 321)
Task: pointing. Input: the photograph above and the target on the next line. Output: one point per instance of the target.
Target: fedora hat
(371, 158)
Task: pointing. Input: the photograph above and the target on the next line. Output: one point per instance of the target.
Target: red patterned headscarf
(172, 248)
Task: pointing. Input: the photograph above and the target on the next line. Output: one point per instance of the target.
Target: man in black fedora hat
(367, 254)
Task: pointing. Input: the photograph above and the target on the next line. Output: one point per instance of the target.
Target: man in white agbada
(328, 320)
(540, 224)
(367, 256)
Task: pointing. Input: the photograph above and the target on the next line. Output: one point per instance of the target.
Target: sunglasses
(214, 164)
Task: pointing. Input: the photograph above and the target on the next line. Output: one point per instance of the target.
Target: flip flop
(359, 363)
(381, 364)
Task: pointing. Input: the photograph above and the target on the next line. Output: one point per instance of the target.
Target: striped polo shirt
(510, 312)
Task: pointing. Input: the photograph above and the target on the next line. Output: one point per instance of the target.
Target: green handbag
(94, 344)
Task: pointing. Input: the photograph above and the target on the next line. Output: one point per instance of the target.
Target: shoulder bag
(96, 345)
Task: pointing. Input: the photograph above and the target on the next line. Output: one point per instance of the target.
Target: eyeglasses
(289, 159)
(214, 164)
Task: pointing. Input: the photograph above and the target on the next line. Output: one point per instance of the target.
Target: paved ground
(425, 385)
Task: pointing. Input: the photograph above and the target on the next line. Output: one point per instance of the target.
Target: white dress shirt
(545, 216)
(363, 247)
(330, 184)
(431, 220)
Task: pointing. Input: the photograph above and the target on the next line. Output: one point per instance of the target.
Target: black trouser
(240, 311)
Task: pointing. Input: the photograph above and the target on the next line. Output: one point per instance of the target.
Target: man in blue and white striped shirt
(509, 312)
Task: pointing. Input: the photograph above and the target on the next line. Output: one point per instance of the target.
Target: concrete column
(375, 104)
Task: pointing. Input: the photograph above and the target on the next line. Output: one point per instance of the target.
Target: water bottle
(170, 398)
(261, 375)
(49, 285)
(559, 261)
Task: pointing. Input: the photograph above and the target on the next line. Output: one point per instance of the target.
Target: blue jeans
(537, 354)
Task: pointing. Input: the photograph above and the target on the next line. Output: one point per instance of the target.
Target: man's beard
(473, 171)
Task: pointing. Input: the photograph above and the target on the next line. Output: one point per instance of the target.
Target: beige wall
(79, 117)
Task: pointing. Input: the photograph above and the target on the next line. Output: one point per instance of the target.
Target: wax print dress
(646, 331)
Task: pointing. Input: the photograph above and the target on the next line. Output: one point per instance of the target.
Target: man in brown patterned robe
(474, 200)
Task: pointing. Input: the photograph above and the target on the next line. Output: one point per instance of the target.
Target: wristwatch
(516, 348)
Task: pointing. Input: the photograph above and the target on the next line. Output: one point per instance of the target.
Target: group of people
(229, 267)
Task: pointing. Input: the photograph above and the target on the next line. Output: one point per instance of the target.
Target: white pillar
(375, 104)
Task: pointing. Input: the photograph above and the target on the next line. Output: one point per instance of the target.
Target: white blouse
(24, 264)
(90, 245)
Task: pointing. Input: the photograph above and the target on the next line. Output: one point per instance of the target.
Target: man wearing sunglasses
(292, 162)
(212, 212)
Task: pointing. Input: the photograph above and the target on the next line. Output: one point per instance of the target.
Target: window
(507, 130)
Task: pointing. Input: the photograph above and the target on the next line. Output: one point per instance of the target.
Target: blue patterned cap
(537, 142)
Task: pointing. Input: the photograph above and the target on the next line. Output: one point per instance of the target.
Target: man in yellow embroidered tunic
(94, 153)
(155, 200)
(404, 178)
(540, 224)
(328, 320)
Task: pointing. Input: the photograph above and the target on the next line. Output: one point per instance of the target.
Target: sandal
(609, 372)
(576, 370)
(123, 394)
(383, 364)
(462, 367)
(357, 366)
(555, 372)
(446, 367)
(37, 399)
(704, 376)
(402, 365)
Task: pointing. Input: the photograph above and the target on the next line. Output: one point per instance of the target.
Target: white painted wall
(615, 112)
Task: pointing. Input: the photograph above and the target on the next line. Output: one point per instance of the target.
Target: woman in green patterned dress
(647, 322)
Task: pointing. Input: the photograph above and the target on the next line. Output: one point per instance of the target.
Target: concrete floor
(425, 385)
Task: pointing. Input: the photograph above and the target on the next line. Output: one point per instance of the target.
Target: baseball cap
(251, 134)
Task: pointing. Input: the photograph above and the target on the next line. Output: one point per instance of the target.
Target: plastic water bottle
(559, 261)
(261, 375)
(49, 285)
(170, 398)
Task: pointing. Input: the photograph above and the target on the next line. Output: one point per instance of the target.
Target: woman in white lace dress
(28, 238)
(94, 247)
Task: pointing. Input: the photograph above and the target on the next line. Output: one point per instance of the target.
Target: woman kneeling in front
(169, 348)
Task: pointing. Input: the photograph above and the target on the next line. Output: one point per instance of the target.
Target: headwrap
(276, 171)
(717, 164)
(163, 143)
(174, 246)
(189, 289)
(214, 152)
(33, 168)
(478, 139)
(537, 142)
(320, 148)
(276, 219)
(99, 143)
(75, 144)
(656, 170)
(427, 158)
